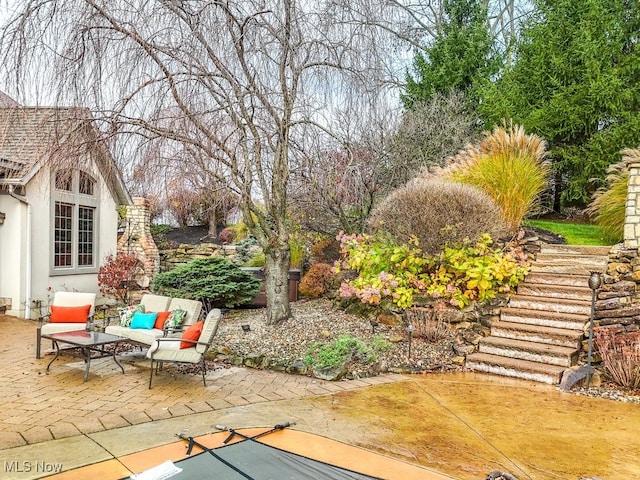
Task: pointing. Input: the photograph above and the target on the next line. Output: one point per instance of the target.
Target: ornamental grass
(509, 165)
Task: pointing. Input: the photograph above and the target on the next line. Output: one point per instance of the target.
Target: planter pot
(260, 299)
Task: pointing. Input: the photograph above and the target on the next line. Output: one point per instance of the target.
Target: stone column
(137, 239)
(632, 212)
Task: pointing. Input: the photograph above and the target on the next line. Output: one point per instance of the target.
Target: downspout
(27, 289)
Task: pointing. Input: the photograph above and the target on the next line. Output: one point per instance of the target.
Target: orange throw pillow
(70, 314)
(161, 319)
(192, 333)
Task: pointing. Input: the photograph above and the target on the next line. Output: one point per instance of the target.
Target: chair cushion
(144, 321)
(137, 335)
(126, 313)
(192, 333)
(161, 319)
(49, 328)
(70, 314)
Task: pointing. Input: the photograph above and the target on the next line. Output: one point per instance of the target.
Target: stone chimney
(137, 239)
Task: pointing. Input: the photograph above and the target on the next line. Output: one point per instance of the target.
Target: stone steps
(535, 333)
(555, 305)
(569, 321)
(527, 350)
(540, 332)
(569, 292)
(512, 367)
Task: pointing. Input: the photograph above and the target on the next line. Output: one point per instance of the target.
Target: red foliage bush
(117, 273)
(227, 235)
(317, 281)
(620, 354)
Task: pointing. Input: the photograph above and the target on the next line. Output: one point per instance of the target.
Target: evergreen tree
(459, 58)
(576, 83)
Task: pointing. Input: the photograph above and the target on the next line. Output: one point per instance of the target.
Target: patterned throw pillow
(175, 319)
(126, 314)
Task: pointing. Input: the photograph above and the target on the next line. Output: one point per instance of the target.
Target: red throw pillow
(70, 314)
(192, 333)
(161, 319)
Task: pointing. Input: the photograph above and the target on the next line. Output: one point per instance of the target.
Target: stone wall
(618, 303)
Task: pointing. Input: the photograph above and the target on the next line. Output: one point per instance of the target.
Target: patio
(38, 406)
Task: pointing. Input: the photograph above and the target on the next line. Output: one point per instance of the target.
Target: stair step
(555, 249)
(512, 367)
(555, 291)
(579, 307)
(569, 321)
(557, 279)
(532, 351)
(572, 264)
(536, 333)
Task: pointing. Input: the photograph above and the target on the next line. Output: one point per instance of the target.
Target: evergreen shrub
(215, 281)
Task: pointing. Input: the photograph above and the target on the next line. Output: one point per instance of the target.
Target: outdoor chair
(69, 311)
(191, 347)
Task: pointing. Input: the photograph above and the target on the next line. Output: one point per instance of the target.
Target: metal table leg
(55, 343)
(87, 360)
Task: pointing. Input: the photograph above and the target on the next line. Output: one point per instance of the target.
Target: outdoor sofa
(138, 324)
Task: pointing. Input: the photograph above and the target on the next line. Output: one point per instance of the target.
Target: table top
(84, 338)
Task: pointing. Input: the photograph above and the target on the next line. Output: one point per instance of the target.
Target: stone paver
(37, 405)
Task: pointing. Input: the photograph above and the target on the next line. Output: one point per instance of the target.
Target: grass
(573, 233)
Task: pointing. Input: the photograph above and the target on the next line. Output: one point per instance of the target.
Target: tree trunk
(213, 227)
(277, 284)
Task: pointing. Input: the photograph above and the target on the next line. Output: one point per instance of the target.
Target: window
(74, 213)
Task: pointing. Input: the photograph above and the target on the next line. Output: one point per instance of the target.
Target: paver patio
(37, 406)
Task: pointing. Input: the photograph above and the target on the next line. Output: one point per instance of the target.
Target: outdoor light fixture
(595, 282)
(246, 327)
(374, 324)
(2, 217)
(410, 329)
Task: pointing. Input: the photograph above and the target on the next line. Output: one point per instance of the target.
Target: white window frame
(77, 203)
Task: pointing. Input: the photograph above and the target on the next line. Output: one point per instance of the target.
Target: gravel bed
(319, 321)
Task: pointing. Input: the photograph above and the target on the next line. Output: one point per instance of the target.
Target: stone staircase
(540, 332)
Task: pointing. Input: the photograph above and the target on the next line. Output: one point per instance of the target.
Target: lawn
(574, 233)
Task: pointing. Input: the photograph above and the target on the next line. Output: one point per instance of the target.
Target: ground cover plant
(343, 350)
(573, 233)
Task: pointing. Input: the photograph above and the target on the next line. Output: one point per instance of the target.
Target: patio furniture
(69, 311)
(188, 348)
(87, 342)
(157, 304)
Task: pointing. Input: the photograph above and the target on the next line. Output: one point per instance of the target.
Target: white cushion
(135, 334)
(49, 328)
(192, 307)
(170, 351)
(155, 303)
(74, 299)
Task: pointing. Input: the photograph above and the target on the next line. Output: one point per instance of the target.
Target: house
(59, 196)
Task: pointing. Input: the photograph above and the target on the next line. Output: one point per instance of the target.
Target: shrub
(428, 324)
(159, 234)
(317, 281)
(326, 250)
(437, 213)
(608, 203)
(227, 235)
(343, 350)
(116, 275)
(390, 274)
(509, 166)
(215, 281)
(621, 355)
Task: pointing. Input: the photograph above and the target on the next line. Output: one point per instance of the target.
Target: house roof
(32, 137)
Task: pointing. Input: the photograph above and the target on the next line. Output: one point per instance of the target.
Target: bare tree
(237, 84)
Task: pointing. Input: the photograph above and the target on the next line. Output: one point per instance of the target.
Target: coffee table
(87, 342)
